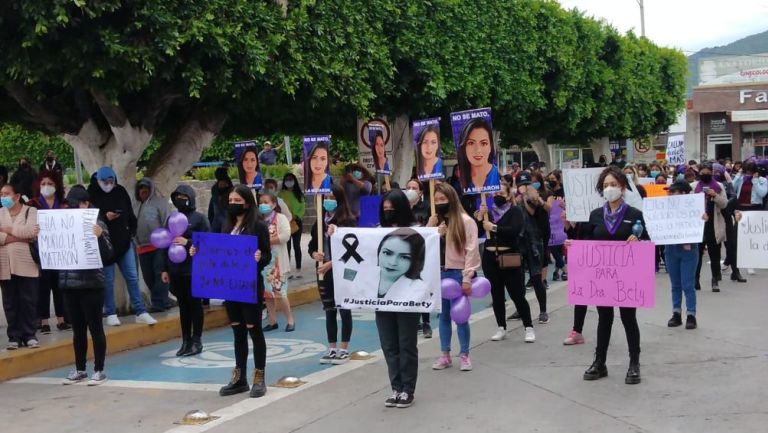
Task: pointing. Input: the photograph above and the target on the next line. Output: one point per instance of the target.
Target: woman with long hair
(249, 168)
(276, 273)
(336, 213)
(477, 157)
(714, 228)
(430, 157)
(293, 196)
(460, 259)
(379, 153)
(316, 176)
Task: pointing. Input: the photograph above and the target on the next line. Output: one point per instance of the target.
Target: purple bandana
(613, 220)
(498, 212)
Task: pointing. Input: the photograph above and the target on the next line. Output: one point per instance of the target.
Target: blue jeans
(127, 264)
(681, 266)
(445, 320)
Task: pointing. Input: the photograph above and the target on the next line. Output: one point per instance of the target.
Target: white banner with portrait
(387, 269)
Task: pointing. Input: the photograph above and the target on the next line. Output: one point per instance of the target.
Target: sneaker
(12, 345)
(45, 329)
(556, 275)
(466, 364)
(690, 322)
(63, 326)
(341, 358)
(530, 336)
(112, 320)
(564, 276)
(32, 343)
(74, 377)
(573, 338)
(543, 318)
(392, 400)
(404, 400)
(499, 335)
(442, 363)
(750, 271)
(329, 356)
(427, 330)
(675, 321)
(97, 378)
(146, 319)
(514, 316)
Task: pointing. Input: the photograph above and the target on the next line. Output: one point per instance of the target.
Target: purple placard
(475, 151)
(426, 144)
(224, 267)
(369, 211)
(248, 166)
(317, 164)
(379, 148)
(556, 224)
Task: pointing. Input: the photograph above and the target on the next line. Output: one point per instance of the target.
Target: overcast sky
(689, 25)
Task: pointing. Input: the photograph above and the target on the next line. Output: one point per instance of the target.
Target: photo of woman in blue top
(248, 168)
(316, 163)
(477, 156)
(428, 154)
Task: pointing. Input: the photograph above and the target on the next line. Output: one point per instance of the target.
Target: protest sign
(248, 165)
(557, 234)
(675, 149)
(317, 164)
(752, 248)
(475, 151)
(675, 219)
(581, 195)
(369, 211)
(426, 144)
(612, 273)
(387, 269)
(224, 267)
(66, 240)
(656, 190)
(373, 133)
(646, 181)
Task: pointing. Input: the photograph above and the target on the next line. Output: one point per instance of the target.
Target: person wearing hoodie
(151, 212)
(179, 275)
(116, 209)
(24, 177)
(217, 207)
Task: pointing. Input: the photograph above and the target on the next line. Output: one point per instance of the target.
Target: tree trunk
(402, 150)
(543, 151)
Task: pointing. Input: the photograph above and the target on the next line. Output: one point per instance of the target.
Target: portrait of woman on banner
(400, 257)
(379, 152)
(477, 158)
(317, 168)
(249, 169)
(429, 157)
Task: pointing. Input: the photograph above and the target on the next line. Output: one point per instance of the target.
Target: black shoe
(184, 347)
(45, 329)
(529, 283)
(715, 286)
(690, 322)
(564, 277)
(675, 321)
(290, 327)
(259, 388)
(63, 326)
(556, 275)
(392, 400)
(195, 347)
(633, 373)
(736, 276)
(271, 327)
(404, 400)
(546, 284)
(236, 385)
(154, 309)
(597, 370)
(514, 316)
(427, 330)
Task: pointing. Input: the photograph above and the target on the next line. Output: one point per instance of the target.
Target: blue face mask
(680, 176)
(265, 209)
(329, 205)
(357, 174)
(7, 202)
(536, 185)
(654, 173)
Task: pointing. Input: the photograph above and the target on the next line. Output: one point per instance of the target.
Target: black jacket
(24, 178)
(197, 223)
(509, 230)
(595, 228)
(89, 278)
(122, 229)
(326, 285)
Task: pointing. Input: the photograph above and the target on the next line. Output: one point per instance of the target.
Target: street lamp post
(642, 17)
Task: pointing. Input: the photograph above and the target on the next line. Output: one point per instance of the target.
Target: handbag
(507, 260)
(294, 226)
(34, 251)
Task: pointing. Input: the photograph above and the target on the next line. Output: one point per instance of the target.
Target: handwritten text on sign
(66, 240)
(224, 267)
(611, 274)
(581, 195)
(675, 219)
(752, 249)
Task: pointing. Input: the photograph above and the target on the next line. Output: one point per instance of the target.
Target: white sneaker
(146, 319)
(97, 378)
(750, 271)
(530, 336)
(112, 320)
(499, 335)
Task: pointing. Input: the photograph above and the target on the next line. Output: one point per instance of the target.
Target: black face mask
(236, 209)
(442, 209)
(49, 159)
(499, 200)
(706, 178)
(181, 204)
(388, 217)
(24, 165)
(532, 203)
(552, 184)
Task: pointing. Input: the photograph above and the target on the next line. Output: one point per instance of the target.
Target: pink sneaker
(466, 364)
(442, 363)
(574, 338)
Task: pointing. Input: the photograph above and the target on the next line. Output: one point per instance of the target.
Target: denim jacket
(759, 188)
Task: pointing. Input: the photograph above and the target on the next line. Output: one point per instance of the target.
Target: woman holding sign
(714, 228)
(614, 222)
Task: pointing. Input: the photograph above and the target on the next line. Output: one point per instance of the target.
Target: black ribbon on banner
(350, 243)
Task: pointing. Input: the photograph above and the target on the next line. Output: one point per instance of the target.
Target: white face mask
(106, 187)
(48, 191)
(612, 193)
(289, 184)
(411, 195)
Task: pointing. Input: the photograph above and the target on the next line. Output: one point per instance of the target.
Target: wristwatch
(493, 229)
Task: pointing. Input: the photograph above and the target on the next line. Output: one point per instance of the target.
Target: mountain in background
(754, 44)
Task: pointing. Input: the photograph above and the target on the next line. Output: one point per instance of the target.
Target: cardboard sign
(225, 267)
(317, 164)
(612, 274)
(475, 151)
(675, 219)
(556, 224)
(66, 240)
(752, 246)
(369, 211)
(426, 144)
(655, 190)
(581, 196)
(248, 166)
(675, 149)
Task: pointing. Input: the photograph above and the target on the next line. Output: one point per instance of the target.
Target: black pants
(49, 283)
(20, 306)
(579, 314)
(714, 252)
(332, 328)
(190, 308)
(398, 336)
(84, 307)
(425, 318)
(513, 280)
(295, 240)
(605, 324)
(245, 320)
(152, 265)
(540, 291)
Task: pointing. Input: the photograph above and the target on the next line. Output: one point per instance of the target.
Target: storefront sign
(758, 96)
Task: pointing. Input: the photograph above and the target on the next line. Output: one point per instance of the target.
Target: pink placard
(612, 274)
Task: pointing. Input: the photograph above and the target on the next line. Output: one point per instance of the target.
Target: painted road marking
(138, 384)
(216, 355)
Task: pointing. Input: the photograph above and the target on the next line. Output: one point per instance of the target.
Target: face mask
(357, 174)
(329, 205)
(236, 209)
(265, 209)
(411, 195)
(48, 191)
(24, 164)
(7, 202)
(49, 159)
(536, 185)
(499, 200)
(269, 191)
(388, 217)
(706, 178)
(552, 184)
(289, 183)
(106, 187)
(442, 209)
(612, 193)
(181, 203)
(654, 173)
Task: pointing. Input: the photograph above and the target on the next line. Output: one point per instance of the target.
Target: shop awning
(749, 115)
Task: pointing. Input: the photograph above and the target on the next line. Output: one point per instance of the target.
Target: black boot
(259, 388)
(715, 286)
(676, 320)
(185, 343)
(195, 347)
(597, 369)
(736, 276)
(236, 385)
(633, 373)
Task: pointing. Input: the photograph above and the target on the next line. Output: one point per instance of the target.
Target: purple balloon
(160, 238)
(461, 309)
(480, 287)
(177, 253)
(177, 224)
(450, 288)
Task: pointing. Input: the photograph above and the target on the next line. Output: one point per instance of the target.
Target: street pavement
(712, 379)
